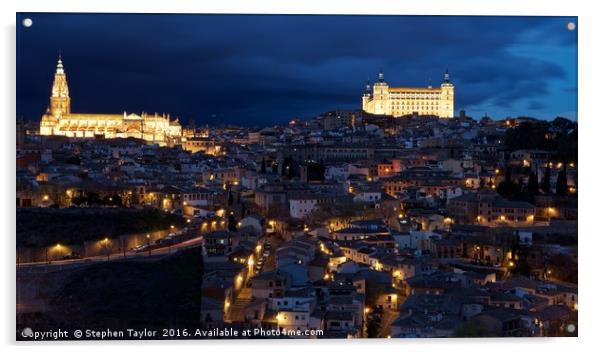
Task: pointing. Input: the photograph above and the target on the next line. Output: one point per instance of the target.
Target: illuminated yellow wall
(59, 120)
(400, 101)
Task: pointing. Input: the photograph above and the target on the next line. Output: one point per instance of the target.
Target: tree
(545, 183)
(315, 171)
(561, 183)
(230, 198)
(232, 224)
(558, 136)
(287, 167)
(490, 183)
(112, 200)
(507, 188)
(345, 212)
(73, 160)
(372, 329)
(533, 186)
(263, 167)
(322, 167)
(566, 146)
(470, 329)
(243, 209)
(90, 199)
(529, 135)
(520, 257)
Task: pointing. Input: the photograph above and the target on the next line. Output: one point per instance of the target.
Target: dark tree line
(519, 191)
(288, 167)
(93, 199)
(316, 171)
(558, 136)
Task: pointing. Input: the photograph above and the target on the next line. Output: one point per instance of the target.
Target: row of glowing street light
(105, 242)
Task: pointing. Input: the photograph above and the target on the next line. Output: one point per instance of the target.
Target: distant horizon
(258, 70)
(284, 123)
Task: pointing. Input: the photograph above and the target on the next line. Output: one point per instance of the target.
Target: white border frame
(589, 78)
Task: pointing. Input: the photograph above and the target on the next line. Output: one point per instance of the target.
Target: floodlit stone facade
(58, 120)
(383, 99)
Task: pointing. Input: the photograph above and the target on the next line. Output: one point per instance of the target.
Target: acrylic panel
(196, 176)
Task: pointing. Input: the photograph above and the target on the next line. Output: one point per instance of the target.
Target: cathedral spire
(59, 65)
(60, 103)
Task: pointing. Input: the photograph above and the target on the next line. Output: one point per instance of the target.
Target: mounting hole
(27, 22)
(571, 328)
(571, 26)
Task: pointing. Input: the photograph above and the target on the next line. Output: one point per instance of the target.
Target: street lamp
(551, 212)
(106, 243)
(148, 244)
(57, 247)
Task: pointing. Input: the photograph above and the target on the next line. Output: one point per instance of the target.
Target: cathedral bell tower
(60, 103)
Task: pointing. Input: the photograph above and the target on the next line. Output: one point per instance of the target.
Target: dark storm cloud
(536, 105)
(266, 69)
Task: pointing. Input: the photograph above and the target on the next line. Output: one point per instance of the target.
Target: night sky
(266, 69)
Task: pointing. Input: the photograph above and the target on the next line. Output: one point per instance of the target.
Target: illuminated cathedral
(58, 120)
